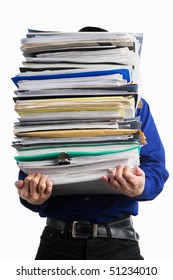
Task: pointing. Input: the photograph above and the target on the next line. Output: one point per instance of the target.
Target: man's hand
(128, 181)
(35, 188)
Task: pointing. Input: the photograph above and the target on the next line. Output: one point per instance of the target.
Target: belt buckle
(83, 235)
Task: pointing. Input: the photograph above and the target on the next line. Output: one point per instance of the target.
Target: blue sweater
(102, 208)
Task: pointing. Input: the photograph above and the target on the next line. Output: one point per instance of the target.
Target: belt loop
(109, 234)
(66, 229)
(95, 228)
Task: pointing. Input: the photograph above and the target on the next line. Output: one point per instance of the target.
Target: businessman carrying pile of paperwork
(85, 220)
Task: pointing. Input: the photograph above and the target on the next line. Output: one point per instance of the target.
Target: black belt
(121, 228)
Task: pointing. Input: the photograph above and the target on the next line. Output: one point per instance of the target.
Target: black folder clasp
(63, 158)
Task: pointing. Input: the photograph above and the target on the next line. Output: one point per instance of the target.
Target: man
(98, 226)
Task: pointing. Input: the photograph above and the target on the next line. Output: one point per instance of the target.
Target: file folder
(76, 99)
(85, 169)
(124, 72)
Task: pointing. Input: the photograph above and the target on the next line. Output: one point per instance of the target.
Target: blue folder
(124, 72)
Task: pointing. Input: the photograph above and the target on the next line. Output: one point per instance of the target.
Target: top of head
(92, 29)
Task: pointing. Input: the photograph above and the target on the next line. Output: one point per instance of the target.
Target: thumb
(137, 171)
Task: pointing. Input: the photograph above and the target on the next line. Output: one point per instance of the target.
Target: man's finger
(19, 184)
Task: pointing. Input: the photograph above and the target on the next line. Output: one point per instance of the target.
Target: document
(117, 123)
(114, 106)
(83, 167)
(76, 96)
(43, 41)
(77, 133)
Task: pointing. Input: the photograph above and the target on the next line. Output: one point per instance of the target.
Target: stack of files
(76, 98)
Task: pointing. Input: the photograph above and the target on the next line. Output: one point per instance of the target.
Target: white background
(20, 228)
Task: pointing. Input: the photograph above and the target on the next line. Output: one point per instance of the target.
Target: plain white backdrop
(20, 228)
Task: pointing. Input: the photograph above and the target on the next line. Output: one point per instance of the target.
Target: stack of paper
(76, 99)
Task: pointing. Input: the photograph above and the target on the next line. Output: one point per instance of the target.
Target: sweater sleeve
(152, 156)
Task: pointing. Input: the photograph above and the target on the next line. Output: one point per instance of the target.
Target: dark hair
(92, 29)
(95, 29)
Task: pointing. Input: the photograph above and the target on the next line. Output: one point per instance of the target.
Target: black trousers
(53, 246)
